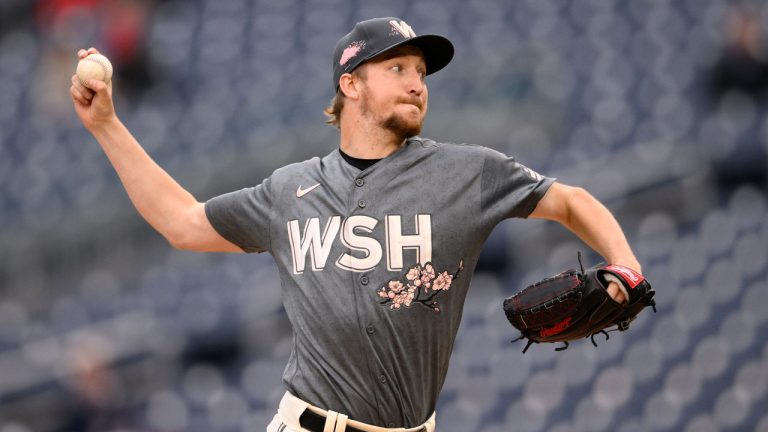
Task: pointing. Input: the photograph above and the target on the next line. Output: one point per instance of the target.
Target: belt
(315, 422)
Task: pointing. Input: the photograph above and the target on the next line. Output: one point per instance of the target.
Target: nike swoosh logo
(301, 192)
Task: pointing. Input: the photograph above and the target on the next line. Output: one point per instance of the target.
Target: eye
(397, 68)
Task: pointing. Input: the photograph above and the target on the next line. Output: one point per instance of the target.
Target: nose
(415, 84)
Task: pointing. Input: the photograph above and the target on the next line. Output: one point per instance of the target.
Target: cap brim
(437, 50)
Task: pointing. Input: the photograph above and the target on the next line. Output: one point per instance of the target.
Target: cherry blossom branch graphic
(421, 286)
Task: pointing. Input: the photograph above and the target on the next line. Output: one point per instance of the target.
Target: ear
(350, 85)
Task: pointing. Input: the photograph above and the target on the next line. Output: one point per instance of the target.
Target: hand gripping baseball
(93, 104)
(573, 304)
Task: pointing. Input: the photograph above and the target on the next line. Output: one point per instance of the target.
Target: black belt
(315, 422)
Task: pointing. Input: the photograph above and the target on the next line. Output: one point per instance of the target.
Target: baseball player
(375, 242)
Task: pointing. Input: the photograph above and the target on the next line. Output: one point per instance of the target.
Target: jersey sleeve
(509, 188)
(243, 217)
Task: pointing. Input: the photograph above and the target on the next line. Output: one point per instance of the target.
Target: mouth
(417, 106)
(415, 103)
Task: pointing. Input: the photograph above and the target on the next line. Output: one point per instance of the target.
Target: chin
(404, 126)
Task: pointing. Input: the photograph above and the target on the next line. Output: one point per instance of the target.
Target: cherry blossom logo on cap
(350, 51)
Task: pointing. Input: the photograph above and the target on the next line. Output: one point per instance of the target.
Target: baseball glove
(574, 305)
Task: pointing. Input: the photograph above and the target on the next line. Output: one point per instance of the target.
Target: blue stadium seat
(702, 422)
(589, 415)
(226, 409)
(200, 381)
(683, 384)
(166, 410)
(660, 412)
(711, 358)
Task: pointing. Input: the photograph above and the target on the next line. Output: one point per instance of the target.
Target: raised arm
(580, 212)
(160, 200)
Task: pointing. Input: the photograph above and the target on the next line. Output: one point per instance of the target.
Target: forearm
(160, 200)
(592, 222)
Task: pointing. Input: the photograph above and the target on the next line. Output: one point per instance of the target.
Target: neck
(363, 140)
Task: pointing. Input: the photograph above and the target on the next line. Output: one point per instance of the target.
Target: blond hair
(333, 110)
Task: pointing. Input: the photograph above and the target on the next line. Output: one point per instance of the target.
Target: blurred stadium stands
(647, 104)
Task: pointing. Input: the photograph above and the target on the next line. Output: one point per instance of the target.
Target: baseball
(94, 67)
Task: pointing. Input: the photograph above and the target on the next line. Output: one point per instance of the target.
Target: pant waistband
(291, 408)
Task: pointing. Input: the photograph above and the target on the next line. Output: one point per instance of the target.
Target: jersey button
(382, 379)
(359, 182)
(364, 280)
(370, 329)
(391, 424)
(361, 203)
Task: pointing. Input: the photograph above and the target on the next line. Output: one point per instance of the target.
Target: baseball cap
(374, 36)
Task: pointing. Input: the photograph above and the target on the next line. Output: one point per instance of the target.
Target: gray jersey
(375, 266)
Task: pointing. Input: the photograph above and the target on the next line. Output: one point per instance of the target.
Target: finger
(620, 298)
(77, 97)
(85, 91)
(97, 86)
(615, 292)
(103, 94)
(83, 53)
(80, 95)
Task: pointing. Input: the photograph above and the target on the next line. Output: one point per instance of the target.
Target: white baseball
(94, 67)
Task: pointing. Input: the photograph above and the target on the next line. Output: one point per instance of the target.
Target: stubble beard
(396, 124)
(400, 127)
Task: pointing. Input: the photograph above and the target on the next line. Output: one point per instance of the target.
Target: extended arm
(585, 216)
(160, 200)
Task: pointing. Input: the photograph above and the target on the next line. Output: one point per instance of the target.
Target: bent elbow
(177, 242)
(184, 232)
(577, 196)
(181, 241)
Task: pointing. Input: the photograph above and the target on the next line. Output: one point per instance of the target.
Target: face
(394, 92)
